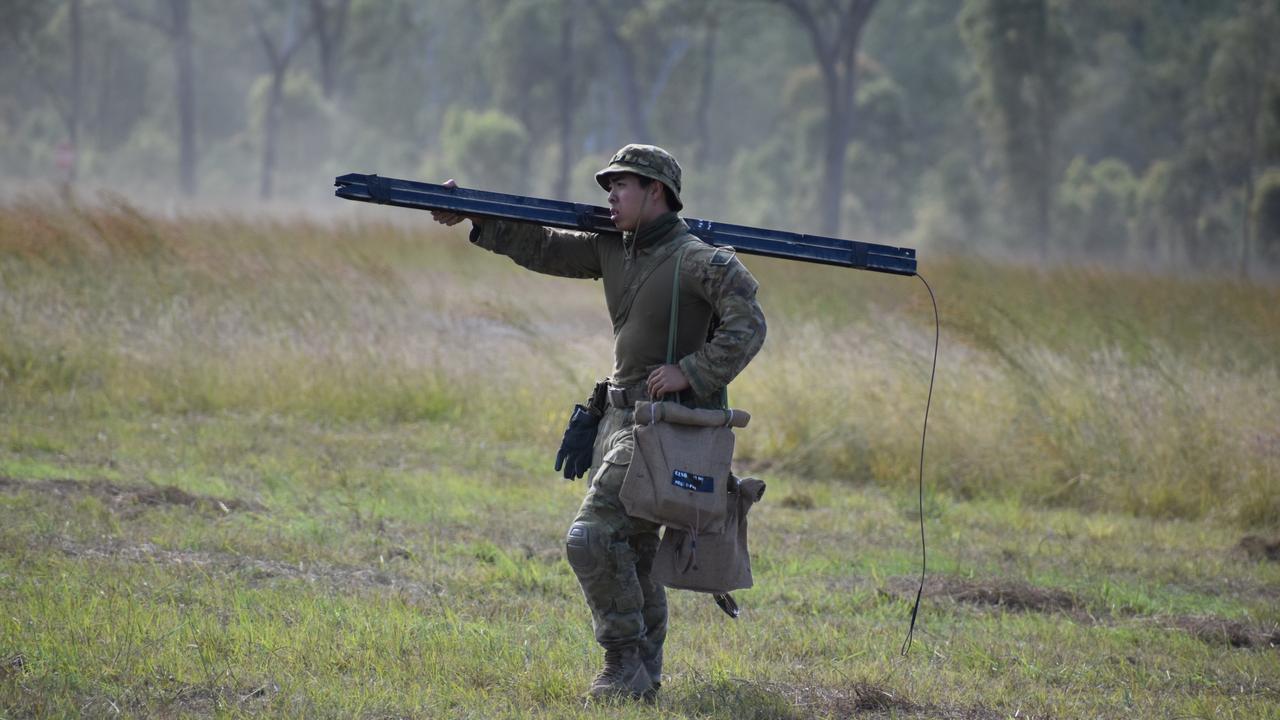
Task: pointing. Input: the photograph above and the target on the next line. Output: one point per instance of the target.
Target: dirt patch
(798, 501)
(336, 577)
(844, 701)
(1260, 548)
(862, 699)
(1013, 595)
(1233, 633)
(131, 498)
(1018, 596)
(205, 700)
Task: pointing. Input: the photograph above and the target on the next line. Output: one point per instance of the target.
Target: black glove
(579, 439)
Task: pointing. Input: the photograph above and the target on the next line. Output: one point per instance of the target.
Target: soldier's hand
(445, 217)
(666, 379)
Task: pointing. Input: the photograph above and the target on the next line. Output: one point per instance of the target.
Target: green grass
(360, 417)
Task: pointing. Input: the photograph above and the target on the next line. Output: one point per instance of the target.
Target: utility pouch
(712, 563)
(679, 472)
(599, 397)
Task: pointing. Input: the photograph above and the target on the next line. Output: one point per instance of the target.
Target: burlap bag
(679, 472)
(711, 563)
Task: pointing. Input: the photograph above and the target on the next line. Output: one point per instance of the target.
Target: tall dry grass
(1082, 388)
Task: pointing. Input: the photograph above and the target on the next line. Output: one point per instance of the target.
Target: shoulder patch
(722, 255)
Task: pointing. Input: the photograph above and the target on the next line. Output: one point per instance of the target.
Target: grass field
(297, 468)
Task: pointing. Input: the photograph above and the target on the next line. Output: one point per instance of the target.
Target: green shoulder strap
(675, 307)
(674, 323)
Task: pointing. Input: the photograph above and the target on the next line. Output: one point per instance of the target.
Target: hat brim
(602, 178)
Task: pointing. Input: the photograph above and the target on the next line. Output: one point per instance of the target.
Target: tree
(479, 147)
(46, 41)
(329, 21)
(1094, 205)
(1019, 54)
(628, 33)
(177, 27)
(280, 53)
(568, 95)
(1266, 216)
(1169, 204)
(1243, 72)
(531, 58)
(835, 32)
(77, 75)
(702, 113)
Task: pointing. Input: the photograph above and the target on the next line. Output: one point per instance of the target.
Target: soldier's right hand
(445, 217)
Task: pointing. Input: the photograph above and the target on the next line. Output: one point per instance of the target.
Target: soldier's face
(627, 201)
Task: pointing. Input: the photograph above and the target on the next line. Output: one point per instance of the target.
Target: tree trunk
(1047, 127)
(702, 124)
(1263, 60)
(565, 105)
(330, 25)
(839, 90)
(278, 57)
(270, 131)
(186, 94)
(835, 46)
(77, 64)
(1247, 228)
(621, 56)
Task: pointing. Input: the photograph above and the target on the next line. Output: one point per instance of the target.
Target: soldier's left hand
(444, 217)
(666, 379)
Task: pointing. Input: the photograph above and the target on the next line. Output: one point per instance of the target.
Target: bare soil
(127, 498)
(1019, 596)
(339, 578)
(863, 699)
(1012, 595)
(1260, 548)
(1233, 633)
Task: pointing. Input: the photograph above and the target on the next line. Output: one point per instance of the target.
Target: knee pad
(584, 549)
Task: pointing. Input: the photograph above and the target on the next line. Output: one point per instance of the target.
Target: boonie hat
(649, 161)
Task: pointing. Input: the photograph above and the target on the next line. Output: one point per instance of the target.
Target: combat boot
(623, 676)
(652, 661)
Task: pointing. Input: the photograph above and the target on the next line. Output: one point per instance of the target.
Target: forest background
(1136, 131)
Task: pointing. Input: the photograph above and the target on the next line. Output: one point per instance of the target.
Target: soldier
(721, 327)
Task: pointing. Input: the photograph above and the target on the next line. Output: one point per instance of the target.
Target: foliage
(965, 138)
(1020, 54)
(488, 149)
(301, 104)
(1167, 201)
(1095, 203)
(1266, 215)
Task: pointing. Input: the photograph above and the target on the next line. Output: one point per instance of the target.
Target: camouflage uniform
(611, 552)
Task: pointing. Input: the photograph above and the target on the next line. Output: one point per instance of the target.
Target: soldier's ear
(657, 191)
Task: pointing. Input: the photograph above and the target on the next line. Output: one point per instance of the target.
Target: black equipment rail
(577, 216)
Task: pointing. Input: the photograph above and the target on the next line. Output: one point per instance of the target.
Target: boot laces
(614, 663)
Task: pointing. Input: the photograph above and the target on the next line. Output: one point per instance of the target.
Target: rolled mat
(648, 412)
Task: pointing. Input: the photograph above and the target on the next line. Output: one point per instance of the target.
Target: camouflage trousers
(612, 553)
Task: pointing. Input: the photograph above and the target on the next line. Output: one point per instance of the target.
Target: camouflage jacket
(721, 326)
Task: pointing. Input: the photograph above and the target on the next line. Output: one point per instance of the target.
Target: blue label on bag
(692, 481)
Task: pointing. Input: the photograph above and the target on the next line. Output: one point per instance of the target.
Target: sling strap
(674, 323)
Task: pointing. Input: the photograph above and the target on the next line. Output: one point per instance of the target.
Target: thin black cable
(937, 332)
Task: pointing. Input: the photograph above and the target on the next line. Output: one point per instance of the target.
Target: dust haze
(1146, 135)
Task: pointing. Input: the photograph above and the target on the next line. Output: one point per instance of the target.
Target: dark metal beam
(576, 216)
